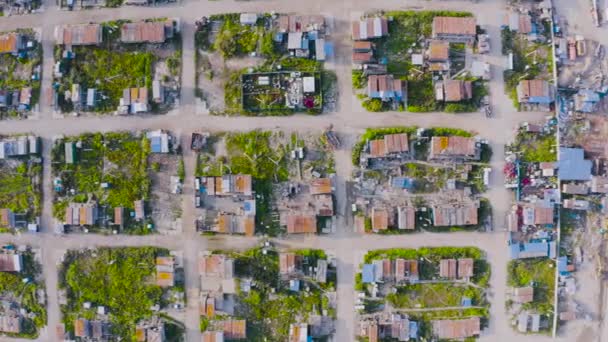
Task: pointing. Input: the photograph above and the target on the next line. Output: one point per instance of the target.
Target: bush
(358, 79)
(373, 105)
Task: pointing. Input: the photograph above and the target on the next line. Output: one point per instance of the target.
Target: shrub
(358, 79)
(373, 105)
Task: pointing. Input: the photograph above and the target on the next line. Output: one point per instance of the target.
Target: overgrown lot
(120, 279)
(538, 273)
(270, 307)
(118, 159)
(20, 187)
(15, 290)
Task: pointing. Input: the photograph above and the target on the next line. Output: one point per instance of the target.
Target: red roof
(454, 26)
(143, 32)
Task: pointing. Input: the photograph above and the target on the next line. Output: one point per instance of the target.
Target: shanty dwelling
(82, 34)
(438, 55)
(11, 43)
(370, 28)
(454, 148)
(456, 328)
(453, 90)
(155, 32)
(455, 29)
(385, 87)
(538, 93)
(572, 165)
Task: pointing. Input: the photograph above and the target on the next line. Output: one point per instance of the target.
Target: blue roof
(329, 49)
(413, 329)
(540, 247)
(402, 182)
(305, 43)
(466, 302)
(155, 144)
(572, 164)
(589, 95)
(294, 285)
(514, 250)
(312, 35)
(552, 249)
(540, 99)
(562, 265)
(367, 275)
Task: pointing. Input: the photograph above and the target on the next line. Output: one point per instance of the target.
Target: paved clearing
(348, 119)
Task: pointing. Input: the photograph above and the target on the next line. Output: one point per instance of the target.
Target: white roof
(294, 40)
(309, 84)
(417, 59)
(249, 18)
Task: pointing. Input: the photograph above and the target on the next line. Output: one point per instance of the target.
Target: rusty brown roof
(320, 186)
(301, 224)
(379, 219)
(362, 57)
(396, 143)
(456, 329)
(143, 32)
(452, 146)
(534, 88)
(439, 51)
(447, 268)
(454, 26)
(235, 329)
(288, 262)
(465, 268)
(9, 42)
(525, 23)
(83, 34)
(457, 90)
(523, 294)
(362, 45)
(377, 148)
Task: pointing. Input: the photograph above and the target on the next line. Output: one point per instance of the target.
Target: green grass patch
(20, 188)
(435, 295)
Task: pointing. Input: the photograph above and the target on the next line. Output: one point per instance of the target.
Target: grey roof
(572, 164)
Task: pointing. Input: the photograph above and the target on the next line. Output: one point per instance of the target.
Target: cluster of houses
(304, 34)
(391, 151)
(380, 85)
(229, 200)
(217, 297)
(135, 99)
(11, 319)
(16, 44)
(393, 326)
(300, 205)
(393, 272)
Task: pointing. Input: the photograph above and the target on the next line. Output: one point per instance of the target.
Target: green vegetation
(234, 39)
(421, 95)
(17, 72)
(13, 288)
(110, 72)
(20, 188)
(435, 295)
(535, 147)
(538, 273)
(358, 79)
(119, 159)
(117, 278)
(530, 61)
(271, 307)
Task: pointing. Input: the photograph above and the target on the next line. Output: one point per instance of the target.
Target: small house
(535, 92)
(10, 43)
(572, 165)
(455, 29)
(370, 28)
(457, 328)
(82, 34)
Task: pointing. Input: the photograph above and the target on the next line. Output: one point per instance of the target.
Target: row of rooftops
(10, 42)
(291, 264)
(20, 98)
(385, 87)
(92, 34)
(393, 326)
(448, 28)
(453, 90)
(441, 147)
(456, 268)
(398, 270)
(19, 146)
(230, 329)
(86, 214)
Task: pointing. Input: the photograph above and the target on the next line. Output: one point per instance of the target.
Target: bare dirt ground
(166, 206)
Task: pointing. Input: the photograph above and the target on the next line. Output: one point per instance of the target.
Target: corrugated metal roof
(9, 42)
(143, 32)
(454, 26)
(438, 51)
